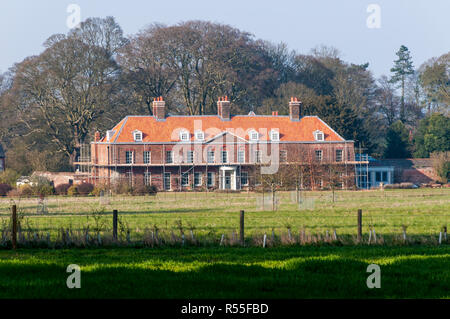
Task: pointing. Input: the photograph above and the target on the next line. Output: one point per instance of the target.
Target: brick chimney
(97, 136)
(159, 108)
(295, 109)
(223, 108)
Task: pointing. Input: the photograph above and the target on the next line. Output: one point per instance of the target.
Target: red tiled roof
(168, 130)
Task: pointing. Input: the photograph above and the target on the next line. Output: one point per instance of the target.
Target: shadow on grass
(311, 272)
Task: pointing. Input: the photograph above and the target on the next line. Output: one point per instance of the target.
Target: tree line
(91, 77)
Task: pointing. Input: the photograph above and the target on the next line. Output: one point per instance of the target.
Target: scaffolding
(115, 170)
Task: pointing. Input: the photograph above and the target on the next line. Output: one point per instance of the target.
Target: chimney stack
(295, 109)
(223, 108)
(97, 136)
(159, 108)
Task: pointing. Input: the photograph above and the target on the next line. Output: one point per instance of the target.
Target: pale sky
(423, 26)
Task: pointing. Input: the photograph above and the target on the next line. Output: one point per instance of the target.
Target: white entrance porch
(228, 177)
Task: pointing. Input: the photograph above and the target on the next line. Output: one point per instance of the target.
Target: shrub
(72, 191)
(4, 189)
(142, 189)
(441, 165)
(122, 188)
(98, 189)
(14, 193)
(61, 189)
(9, 176)
(43, 190)
(85, 188)
(25, 190)
(41, 185)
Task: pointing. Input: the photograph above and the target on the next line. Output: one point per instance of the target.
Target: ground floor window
(244, 178)
(147, 178)
(210, 178)
(197, 179)
(130, 178)
(185, 179)
(167, 185)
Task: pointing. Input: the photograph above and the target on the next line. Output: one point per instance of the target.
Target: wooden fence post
(359, 225)
(115, 224)
(241, 227)
(14, 227)
(273, 197)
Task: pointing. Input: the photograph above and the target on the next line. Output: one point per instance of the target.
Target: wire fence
(280, 218)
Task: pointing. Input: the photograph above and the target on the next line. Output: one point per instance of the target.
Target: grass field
(324, 270)
(422, 211)
(283, 272)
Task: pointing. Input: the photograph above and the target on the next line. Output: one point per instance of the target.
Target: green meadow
(416, 268)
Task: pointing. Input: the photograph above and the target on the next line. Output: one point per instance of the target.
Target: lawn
(228, 272)
(422, 212)
(206, 269)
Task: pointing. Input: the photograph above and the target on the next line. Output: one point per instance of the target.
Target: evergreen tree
(403, 67)
(433, 135)
(397, 138)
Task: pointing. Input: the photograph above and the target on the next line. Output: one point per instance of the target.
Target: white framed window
(129, 158)
(258, 158)
(244, 178)
(185, 179)
(184, 136)
(254, 135)
(210, 179)
(283, 156)
(274, 135)
(147, 157)
(137, 136)
(224, 157)
(241, 156)
(199, 135)
(147, 178)
(190, 157)
(319, 136)
(338, 155)
(318, 154)
(169, 157)
(210, 156)
(197, 179)
(167, 182)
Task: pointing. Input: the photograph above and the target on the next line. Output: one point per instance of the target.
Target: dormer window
(319, 136)
(254, 135)
(137, 136)
(184, 136)
(274, 135)
(199, 135)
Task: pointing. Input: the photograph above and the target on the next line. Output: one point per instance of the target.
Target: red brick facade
(227, 148)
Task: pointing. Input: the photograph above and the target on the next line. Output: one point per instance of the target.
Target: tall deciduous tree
(435, 80)
(403, 67)
(64, 90)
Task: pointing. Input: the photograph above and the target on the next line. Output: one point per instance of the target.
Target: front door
(227, 180)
